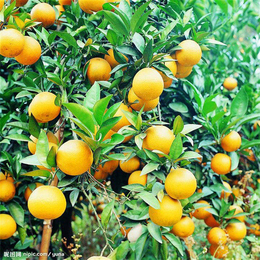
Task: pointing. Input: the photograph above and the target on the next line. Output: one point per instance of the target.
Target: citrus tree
(130, 122)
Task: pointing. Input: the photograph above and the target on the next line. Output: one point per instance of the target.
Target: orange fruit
(225, 194)
(2, 3)
(255, 229)
(109, 134)
(217, 236)
(183, 228)
(168, 83)
(236, 191)
(221, 163)
(30, 53)
(98, 70)
(231, 142)
(43, 107)
(182, 71)
(6, 176)
(60, 8)
(180, 183)
(211, 221)
(28, 191)
(110, 58)
(100, 175)
(47, 202)
(125, 231)
(130, 165)
(19, 3)
(65, 2)
(32, 144)
(7, 190)
(148, 84)
(92, 5)
(135, 178)
(123, 121)
(172, 66)
(190, 54)
(148, 105)
(218, 251)
(74, 157)
(7, 226)
(202, 213)
(238, 210)
(109, 166)
(230, 83)
(251, 155)
(257, 123)
(158, 138)
(236, 231)
(12, 43)
(170, 212)
(43, 13)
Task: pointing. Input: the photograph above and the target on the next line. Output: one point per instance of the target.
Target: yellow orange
(109, 166)
(218, 251)
(230, 83)
(123, 121)
(180, 183)
(236, 231)
(28, 191)
(92, 5)
(2, 3)
(6, 176)
(225, 194)
(148, 84)
(170, 212)
(19, 3)
(7, 226)
(231, 142)
(110, 58)
(74, 157)
(221, 163)
(130, 165)
(136, 178)
(238, 210)
(100, 175)
(7, 190)
(217, 236)
(202, 213)
(211, 221)
(65, 2)
(183, 228)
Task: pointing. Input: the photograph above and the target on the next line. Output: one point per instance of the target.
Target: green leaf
(122, 250)
(187, 16)
(189, 128)
(234, 160)
(92, 96)
(248, 144)
(65, 36)
(223, 5)
(18, 137)
(176, 148)
(51, 157)
(74, 196)
(16, 212)
(148, 52)
(168, 29)
(189, 155)
(175, 242)
(20, 125)
(213, 41)
(42, 173)
(208, 107)
(179, 107)
(164, 250)
(150, 199)
(100, 108)
(240, 103)
(106, 213)
(22, 233)
(177, 125)
(139, 42)
(3, 121)
(82, 114)
(139, 246)
(155, 231)
(34, 128)
(149, 168)
(42, 149)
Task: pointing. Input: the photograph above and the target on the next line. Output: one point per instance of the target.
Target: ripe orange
(65, 2)
(98, 70)
(47, 202)
(158, 138)
(130, 165)
(251, 155)
(230, 83)
(218, 251)
(236, 231)
(255, 229)
(231, 142)
(12, 43)
(110, 58)
(100, 175)
(31, 52)
(183, 228)
(6, 176)
(60, 8)
(217, 236)
(238, 210)
(148, 105)
(236, 191)
(7, 226)
(202, 213)
(225, 194)
(109, 134)
(43, 13)
(135, 178)
(123, 121)
(7, 190)
(257, 123)
(91, 5)
(19, 3)
(2, 3)
(211, 221)
(168, 83)
(28, 191)
(221, 163)
(32, 144)
(148, 84)
(109, 166)
(190, 54)
(182, 71)
(43, 107)
(172, 66)
(170, 212)
(180, 183)
(74, 157)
